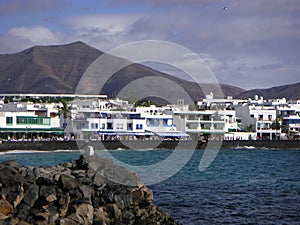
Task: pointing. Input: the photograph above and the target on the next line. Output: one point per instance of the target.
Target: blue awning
(125, 133)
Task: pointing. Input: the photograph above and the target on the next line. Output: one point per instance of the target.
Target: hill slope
(58, 69)
(45, 69)
(291, 91)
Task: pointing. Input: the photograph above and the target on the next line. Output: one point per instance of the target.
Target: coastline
(165, 144)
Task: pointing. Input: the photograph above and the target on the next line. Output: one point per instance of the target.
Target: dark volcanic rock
(78, 192)
(67, 182)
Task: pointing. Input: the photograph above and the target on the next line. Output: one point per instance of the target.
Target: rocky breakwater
(77, 192)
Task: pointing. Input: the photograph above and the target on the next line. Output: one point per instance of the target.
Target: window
(9, 121)
(109, 126)
(103, 126)
(29, 120)
(139, 126)
(94, 125)
(82, 125)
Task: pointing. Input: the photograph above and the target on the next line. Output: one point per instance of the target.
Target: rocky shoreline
(144, 144)
(76, 192)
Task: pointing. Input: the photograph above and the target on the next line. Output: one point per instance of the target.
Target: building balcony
(206, 121)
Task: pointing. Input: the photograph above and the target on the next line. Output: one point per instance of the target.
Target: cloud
(237, 44)
(103, 24)
(16, 6)
(103, 31)
(37, 35)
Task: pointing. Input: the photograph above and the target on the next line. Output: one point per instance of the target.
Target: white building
(262, 118)
(144, 122)
(26, 121)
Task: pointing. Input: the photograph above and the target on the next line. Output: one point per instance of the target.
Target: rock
(23, 212)
(64, 201)
(81, 164)
(137, 196)
(86, 191)
(31, 194)
(43, 215)
(9, 176)
(3, 218)
(66, 221)
(152, 209)
(29, 174)
(113, 211)
(142, 196)
(17, 221)
(13, 194)
(46, 191)
(44, 181)
(10, 163)
(68, 183)
(98, 180)
(56, 177)
(23, 223)
(119, 201)
(5, 209)
(128, 217)
(19, 197)
(51, 198)
(78, 173)
(101, 217)
(148, 194)
(85, 212)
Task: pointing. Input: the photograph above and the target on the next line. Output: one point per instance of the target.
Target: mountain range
(59, 69)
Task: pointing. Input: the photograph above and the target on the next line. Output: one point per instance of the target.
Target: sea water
(241, 186)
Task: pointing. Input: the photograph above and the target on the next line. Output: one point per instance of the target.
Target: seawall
(166, 144)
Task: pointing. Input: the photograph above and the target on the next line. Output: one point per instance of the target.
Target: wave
(244, 147)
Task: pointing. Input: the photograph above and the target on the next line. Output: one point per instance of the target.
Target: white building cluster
(96, 117)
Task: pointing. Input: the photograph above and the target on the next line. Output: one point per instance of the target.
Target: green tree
(145, 103)
(193, 107)
(250, 128)
(64, 112)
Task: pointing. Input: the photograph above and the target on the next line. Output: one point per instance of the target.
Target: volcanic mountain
(58, 70)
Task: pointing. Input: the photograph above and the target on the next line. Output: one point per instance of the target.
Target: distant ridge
(290, 92)
(58, 69)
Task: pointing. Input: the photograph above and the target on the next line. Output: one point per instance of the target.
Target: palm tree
(65, 112)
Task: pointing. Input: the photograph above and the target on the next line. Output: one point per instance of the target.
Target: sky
(249, 44)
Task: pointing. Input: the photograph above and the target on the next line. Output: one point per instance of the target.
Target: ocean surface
(241, 186)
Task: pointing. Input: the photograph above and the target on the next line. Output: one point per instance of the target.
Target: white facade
(144, 121)
(208, 121)
(16, 122)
